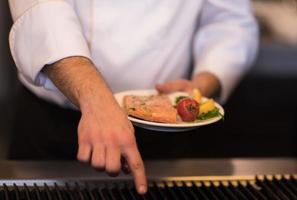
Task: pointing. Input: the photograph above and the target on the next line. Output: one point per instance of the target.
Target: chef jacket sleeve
(44, 31)
(226, 42)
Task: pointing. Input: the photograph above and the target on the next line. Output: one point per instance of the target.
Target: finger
(84, 152)
(173, 86)
(113, 163)
(98, 157)
(137, 168)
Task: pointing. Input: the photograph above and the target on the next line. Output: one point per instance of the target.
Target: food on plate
(197, 95)
(178, 99)
(210, 114)
(188, 109)
(156, 108)
(207, 106)
(207, 109)
(163, 109)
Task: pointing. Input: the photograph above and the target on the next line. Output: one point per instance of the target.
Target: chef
(73, 55)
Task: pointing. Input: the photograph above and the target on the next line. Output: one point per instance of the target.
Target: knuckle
(137, 166)
(129, 143)
(129, 140)
(94, 134)
(83, 139)
(90, 137)
(111, 141)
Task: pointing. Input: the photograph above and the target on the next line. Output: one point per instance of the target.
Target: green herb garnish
(211, 114)
(178, 98)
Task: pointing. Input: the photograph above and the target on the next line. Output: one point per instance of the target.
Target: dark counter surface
(166, 168)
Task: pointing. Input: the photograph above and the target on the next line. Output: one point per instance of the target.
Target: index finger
(136, 166)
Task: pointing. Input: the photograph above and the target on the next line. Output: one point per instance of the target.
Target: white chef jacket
(133, 43)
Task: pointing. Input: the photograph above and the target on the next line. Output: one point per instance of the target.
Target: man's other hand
(207, 83)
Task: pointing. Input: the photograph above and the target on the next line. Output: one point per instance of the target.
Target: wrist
(94, 94)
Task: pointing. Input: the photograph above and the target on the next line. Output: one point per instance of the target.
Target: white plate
(179, 127)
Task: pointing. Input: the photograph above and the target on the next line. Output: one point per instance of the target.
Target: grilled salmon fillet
(155, 108)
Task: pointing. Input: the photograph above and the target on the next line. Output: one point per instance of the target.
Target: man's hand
(104, 132)
(104, 135)
(207, 83)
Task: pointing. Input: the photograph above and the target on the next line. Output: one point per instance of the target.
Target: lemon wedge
(197, 96)
(207, 106)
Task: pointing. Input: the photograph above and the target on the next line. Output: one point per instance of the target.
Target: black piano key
(16, 191)
(116, 194)
(244, 189)
(79, 191)
(86, 195)
(150, 195)
(189, 192)
(293, 180)
(125, 192)
(256, 191)
(6, 192)
(268, 191)
(289, 184)
(237, 192)
(174, 190)
(37, 192)
(135, 194)
(210, 193)
(64, 194)
(23, 195)
(276, 189)
(58, 192)
(227, 191)
(128, 191)
(97, 193)
(27, 192)
(88, 192)
(47, 192)
(73, 192)
(284, 188)
(217, 190)
(199, 191)
(156, 191)
(170, 192)
(105, 194)
(180, 190)
(68, 191)
(2, 195)
(163, 191)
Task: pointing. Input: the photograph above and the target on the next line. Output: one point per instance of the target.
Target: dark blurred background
(261, 114)
(8, 79)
